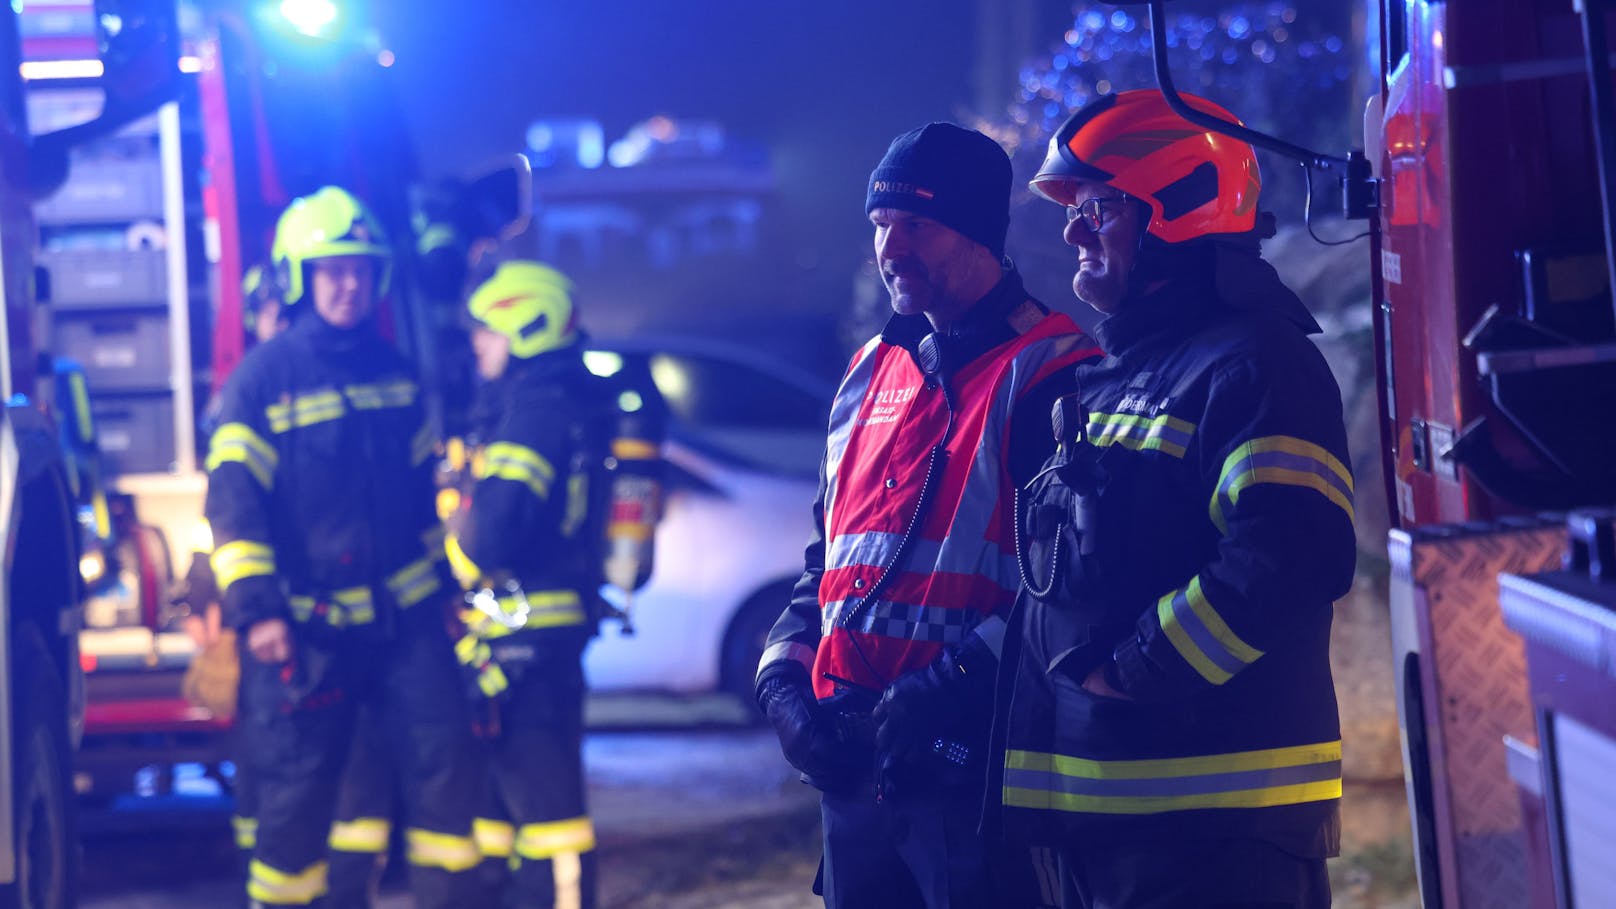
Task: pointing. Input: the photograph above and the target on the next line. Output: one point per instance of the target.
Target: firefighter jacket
(1188, 539)
(320, 489)
(534, 515)
(899, 435)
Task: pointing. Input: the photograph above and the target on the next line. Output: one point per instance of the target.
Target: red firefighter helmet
(1196, 181)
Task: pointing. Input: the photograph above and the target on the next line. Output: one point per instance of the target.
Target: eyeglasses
(1091, 212)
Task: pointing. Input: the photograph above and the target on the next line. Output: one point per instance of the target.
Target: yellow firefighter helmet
(528, 303)
(328, 222)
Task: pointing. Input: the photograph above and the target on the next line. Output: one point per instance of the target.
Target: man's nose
(890, 245)
(1077, 233)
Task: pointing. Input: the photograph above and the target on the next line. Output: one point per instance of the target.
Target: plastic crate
(119, 351)
(136, 434)
(106, 189)
(89, 278)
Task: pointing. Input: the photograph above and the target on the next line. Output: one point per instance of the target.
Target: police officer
(528, 543)
(1173, 727)
(904, 592)
(329, 560)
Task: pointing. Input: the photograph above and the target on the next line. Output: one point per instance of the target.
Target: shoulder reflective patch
(1280, 461)
(1166, 434)
(376, 396)
(304, 410)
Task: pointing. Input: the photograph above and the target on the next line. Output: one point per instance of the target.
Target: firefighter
(328, 556)
(904, 592)
(528, 546)
(1173, 727)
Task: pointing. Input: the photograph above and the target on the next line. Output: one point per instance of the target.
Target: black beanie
(955, 176)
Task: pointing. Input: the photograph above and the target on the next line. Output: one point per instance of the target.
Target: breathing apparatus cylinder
(635, 506)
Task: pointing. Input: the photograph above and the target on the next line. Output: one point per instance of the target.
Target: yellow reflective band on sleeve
(103, 515)
(495, 839)
(81, 406)
(362, 834)
(240, 559)
(378, 396)
(427, 849)
(542, 841)
(1167, 434)
(305, 410)
(1246, 779)
(422, 445)
(246, 830)
(465, 570)
(1281, 461)
(283, 888)
(237, 443)
(416, 581)
(509, 461)
(1201, 636)
(634, 450)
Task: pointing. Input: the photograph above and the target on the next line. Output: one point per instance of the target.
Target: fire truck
(147, 241)
(41, 705)
(1487, 181)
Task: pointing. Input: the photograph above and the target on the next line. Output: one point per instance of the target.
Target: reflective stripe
(473, 652)
(349, 606)
(304, 410)
(246, 830)
(1201, 636)
(240, 559)
(787, 650)
(541, 841)
(423, 445)
(362, 834)
(283, 888)
(416, 581)
(440, 850)
(1166, 433)
(398, 393)
(518, 463)
(1247, 779)
(545, 609)
(1281, 461)
(465, 570)
(844, 409)
(904, 621)
(874, 549)
(991, 630)
(237, 443)
(495, 839)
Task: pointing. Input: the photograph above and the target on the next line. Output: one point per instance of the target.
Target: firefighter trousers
(1173, 873)
(535, 831)
(919, 849)
(361, 830)
(297, 726)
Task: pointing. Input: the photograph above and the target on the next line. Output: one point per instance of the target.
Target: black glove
(807, 737)
(946, 699)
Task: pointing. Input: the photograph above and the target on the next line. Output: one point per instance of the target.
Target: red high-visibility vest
(959, 575)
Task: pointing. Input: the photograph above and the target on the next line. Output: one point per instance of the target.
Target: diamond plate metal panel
(1473, 677)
